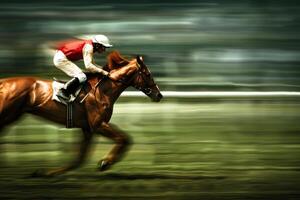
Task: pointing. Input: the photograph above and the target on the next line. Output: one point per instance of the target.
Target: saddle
(59, 84)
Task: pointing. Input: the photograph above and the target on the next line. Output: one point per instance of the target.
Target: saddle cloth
(56, 86)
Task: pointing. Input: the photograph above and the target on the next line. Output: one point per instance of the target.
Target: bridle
(140, 75)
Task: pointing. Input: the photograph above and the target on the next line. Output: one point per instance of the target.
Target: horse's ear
(139, 59)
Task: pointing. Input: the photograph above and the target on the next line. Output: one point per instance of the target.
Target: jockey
(74, 50)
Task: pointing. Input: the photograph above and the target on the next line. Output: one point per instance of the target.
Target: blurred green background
(184, 148)
(190, 45)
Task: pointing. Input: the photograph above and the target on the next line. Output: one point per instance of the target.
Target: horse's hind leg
(84, 147)
(9, 119)
(9, 114)
(121, 146)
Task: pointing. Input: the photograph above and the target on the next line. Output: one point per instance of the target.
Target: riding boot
(69, 88)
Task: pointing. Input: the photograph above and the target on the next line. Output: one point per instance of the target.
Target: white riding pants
(64, 64)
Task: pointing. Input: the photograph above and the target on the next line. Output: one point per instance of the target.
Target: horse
(92, 110)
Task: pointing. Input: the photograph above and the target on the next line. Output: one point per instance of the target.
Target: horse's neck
(117, 88)
(113, 89)
(110, 90)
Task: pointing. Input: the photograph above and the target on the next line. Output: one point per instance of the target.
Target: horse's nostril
(160, 95)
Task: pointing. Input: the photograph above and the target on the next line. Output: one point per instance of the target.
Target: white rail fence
(217, 94)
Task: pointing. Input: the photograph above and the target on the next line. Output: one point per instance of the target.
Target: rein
(140, 75)
(95, 90)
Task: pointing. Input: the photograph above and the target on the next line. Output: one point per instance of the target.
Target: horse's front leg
(84, 147)
(121, 146)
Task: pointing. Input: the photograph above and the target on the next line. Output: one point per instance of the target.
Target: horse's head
(135, 73)
(144, 81)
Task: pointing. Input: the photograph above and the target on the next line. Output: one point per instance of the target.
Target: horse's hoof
(39, 173)
(103, 165)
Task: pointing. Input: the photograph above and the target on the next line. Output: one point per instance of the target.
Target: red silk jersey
(73, 48)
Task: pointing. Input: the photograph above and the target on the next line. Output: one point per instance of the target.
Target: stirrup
(61, 94)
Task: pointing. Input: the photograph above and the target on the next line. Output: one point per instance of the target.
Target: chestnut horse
(20, 95)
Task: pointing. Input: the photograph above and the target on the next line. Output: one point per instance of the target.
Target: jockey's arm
(89, 60)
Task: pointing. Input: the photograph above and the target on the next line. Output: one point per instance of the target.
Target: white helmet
(101, 39)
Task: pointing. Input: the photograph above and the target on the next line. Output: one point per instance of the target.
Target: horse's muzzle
(158, 97)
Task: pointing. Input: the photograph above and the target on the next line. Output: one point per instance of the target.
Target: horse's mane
(114, 61)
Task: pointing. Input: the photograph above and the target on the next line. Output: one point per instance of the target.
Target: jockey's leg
(70, 87)
(61, 62)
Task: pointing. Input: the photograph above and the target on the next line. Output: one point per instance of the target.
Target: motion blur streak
(191, 45)
(227, 128)
(217, 94)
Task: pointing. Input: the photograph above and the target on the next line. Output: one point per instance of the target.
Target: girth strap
(69, 115)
